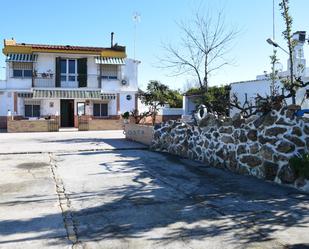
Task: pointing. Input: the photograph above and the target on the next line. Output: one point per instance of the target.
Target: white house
(44, 81)
(247, 90)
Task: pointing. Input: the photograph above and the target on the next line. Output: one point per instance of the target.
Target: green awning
(21, 58)
(71, 94)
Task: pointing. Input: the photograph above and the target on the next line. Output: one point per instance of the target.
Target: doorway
(67, 112)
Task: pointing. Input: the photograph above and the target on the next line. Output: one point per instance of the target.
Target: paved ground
(134, 198)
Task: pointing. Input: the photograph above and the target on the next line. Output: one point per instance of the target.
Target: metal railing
(45, 80)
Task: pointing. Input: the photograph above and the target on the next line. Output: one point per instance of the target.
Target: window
(109, 72)
(32, 110)
(68, 69)
(129, 97)
(22, 70)
(100, 110)
(80, 108)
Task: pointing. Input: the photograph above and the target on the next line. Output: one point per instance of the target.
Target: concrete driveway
(116, 194)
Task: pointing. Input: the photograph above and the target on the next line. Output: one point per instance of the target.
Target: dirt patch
(32, 165)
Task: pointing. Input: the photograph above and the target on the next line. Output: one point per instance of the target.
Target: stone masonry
(259, 146)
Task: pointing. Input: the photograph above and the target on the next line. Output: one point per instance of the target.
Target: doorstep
(68, 129)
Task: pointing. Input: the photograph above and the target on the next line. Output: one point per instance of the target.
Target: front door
(67, 112)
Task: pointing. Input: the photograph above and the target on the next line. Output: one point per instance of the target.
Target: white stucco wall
(127, 105)
(188, 105)
(262, 87)
(128, 72)
(6, 103)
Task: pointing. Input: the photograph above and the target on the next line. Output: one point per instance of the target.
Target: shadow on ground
(165, 192)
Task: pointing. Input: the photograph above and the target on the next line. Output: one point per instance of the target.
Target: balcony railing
(48, 81)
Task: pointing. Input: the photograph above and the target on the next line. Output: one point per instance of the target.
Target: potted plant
(125, 117)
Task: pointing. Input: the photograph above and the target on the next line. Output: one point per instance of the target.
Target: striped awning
(109, 61)
(66, 94)
(71, 94)
(25, 95)
(21, 58)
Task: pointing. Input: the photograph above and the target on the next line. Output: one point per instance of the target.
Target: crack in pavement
(65, 206)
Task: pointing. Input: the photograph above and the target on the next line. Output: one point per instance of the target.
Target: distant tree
(155, 97)
(204, 44)
(216, 99)
(137, 116)
(174, 98)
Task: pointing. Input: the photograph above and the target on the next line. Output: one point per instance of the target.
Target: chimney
(112, 39)
(9, 42)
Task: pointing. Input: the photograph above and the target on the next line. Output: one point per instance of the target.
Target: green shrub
(125, 115)
(300, 165)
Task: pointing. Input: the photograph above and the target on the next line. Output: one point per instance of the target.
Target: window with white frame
(22, 70)
(68, 69)
(109, 72)
(100, 109)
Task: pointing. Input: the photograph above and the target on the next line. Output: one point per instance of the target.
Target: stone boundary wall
(32, 125)
(260, 146)
(139, 133)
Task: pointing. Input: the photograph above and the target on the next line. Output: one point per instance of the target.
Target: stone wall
(259, 146)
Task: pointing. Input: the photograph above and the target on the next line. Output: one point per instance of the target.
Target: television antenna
(136, 20)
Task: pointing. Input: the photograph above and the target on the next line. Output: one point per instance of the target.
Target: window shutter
(82, 72)
(103, 110)
(96, 110)
(58, 73)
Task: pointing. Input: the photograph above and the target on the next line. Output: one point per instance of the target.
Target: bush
(300, 165)
(125, 115)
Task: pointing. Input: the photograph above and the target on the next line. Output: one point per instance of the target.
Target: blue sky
(89, 22)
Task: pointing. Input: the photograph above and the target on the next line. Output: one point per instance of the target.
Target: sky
(89, 23)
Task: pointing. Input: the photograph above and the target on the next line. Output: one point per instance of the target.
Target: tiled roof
(61, 47)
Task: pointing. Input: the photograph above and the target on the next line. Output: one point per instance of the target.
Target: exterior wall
(139, 133)
(105, 124)
(127, 105)
(32, 126)
(188, 105)
(262, 87)
(260, 146)
(127, 72)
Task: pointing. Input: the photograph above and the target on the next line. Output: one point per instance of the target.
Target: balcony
(47, 80)
(44, 80)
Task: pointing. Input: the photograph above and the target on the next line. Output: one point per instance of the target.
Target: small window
(17, 73)
(32, 111)
(27, 73)
(109, 72)
(129, 97)
(100, 110)
(22, 69)
(80, 108)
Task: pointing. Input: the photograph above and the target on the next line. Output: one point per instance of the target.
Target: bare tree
(204, 44)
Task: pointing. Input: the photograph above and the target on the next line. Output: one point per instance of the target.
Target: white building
(50, 80)
(248, 90)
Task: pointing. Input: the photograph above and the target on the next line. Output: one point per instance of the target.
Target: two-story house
(66, 81)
